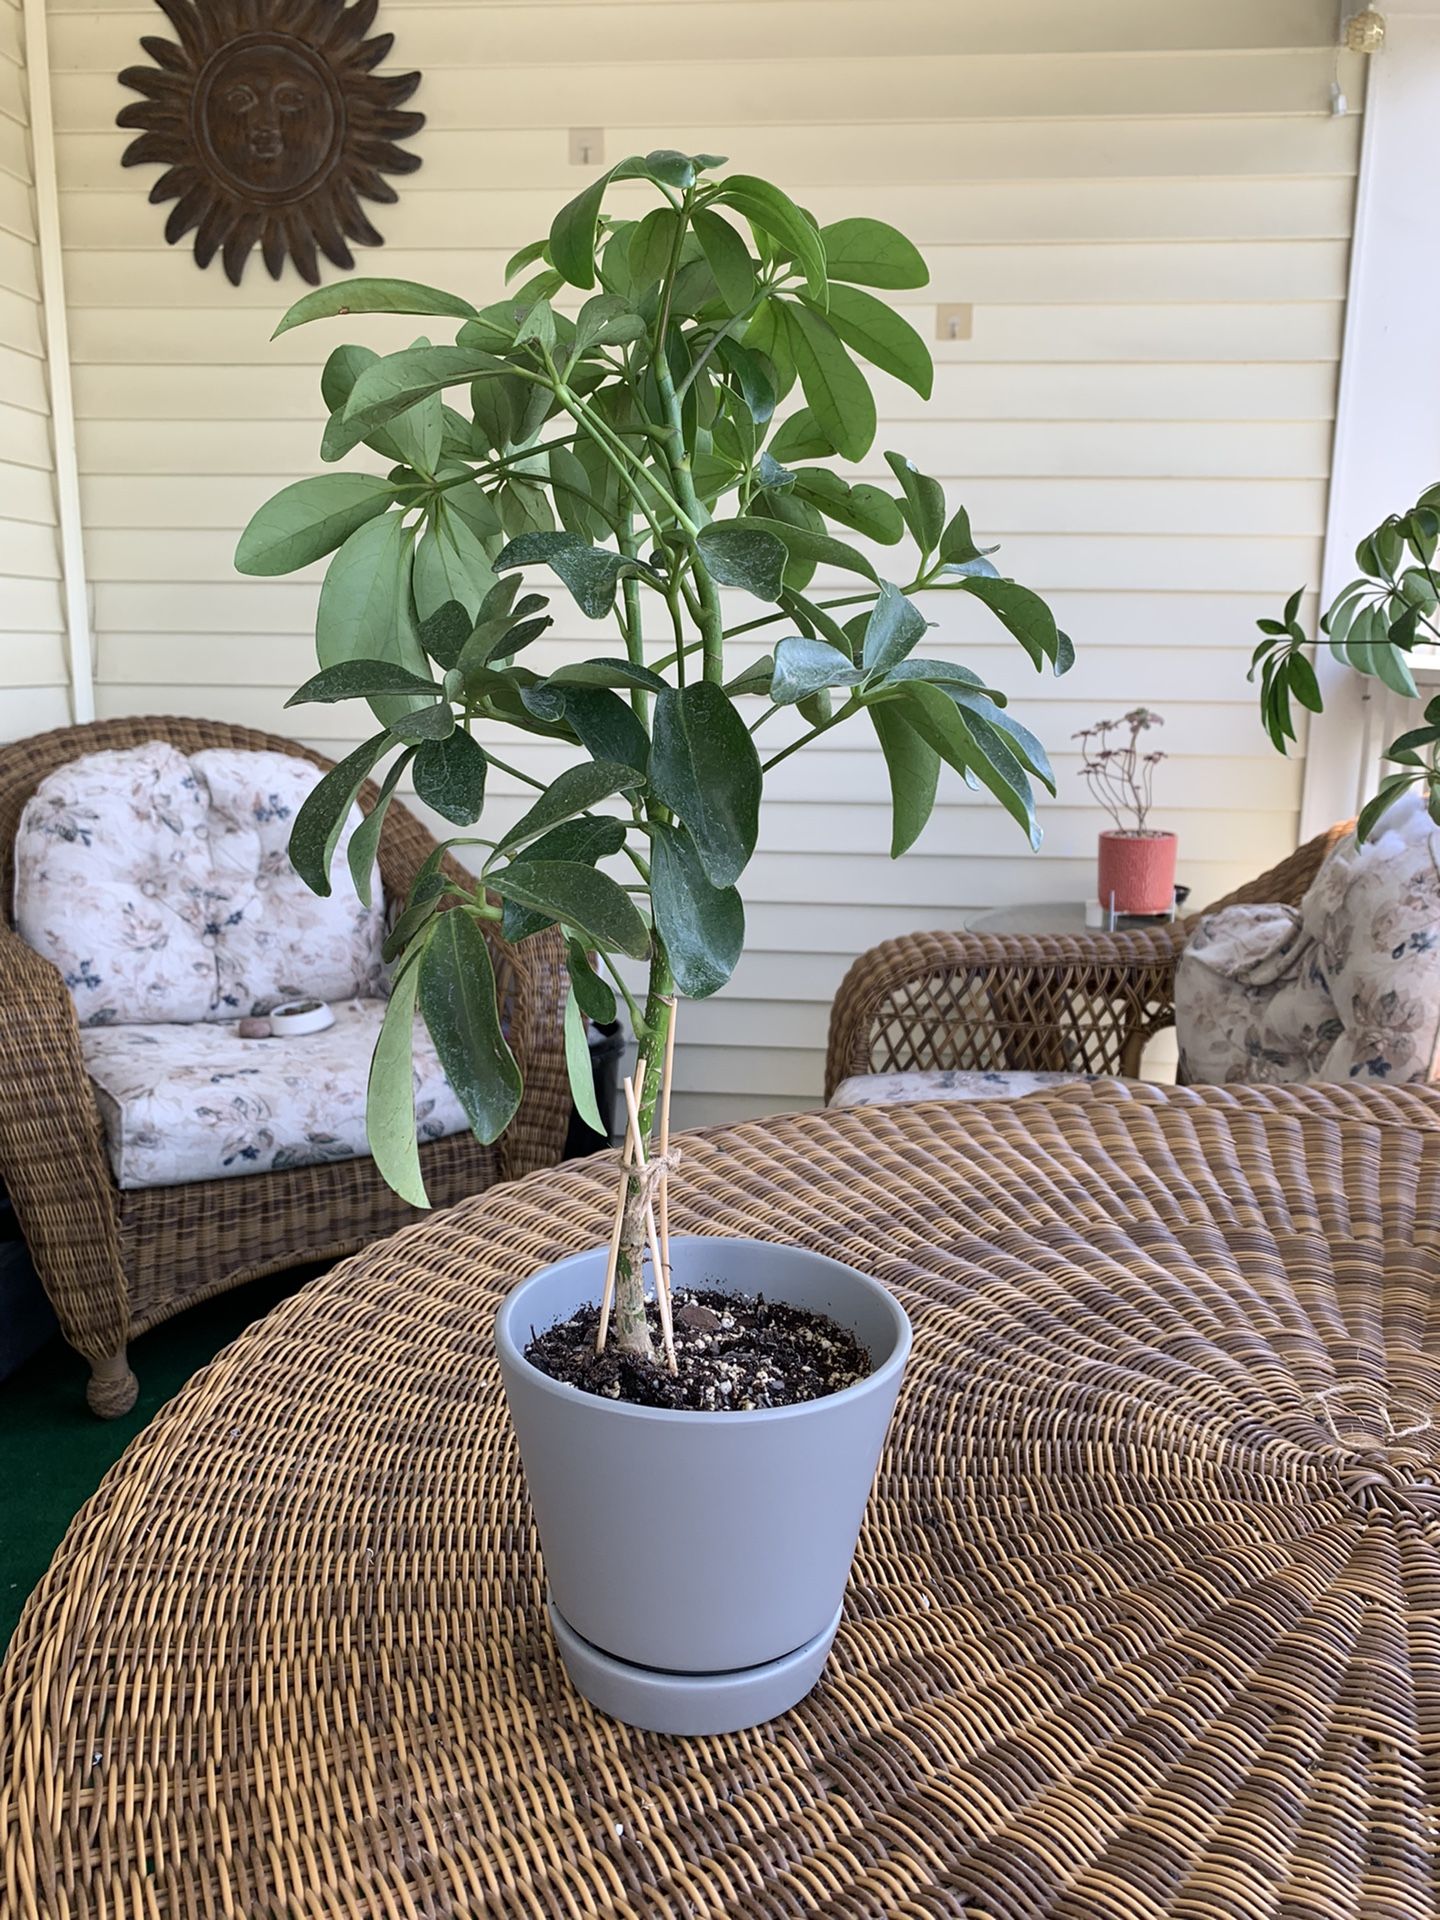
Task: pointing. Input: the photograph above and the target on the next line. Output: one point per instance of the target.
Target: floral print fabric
(896, 1089)
(1346, 988)
(196, 1102)
(161, 887)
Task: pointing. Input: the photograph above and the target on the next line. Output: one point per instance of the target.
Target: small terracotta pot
(1138, 869)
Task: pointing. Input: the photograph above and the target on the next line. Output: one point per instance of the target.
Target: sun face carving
(272, 127)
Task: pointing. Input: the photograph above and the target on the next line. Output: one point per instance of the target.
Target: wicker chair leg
(112, 1388)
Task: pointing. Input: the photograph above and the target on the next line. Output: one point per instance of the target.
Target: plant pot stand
(690, 1703)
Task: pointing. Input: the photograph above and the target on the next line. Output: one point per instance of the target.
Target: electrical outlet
(954, 323)
(587, 146)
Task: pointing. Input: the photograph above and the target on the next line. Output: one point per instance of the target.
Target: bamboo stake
(666, 1080)
(607, 1298)
(662, 1291)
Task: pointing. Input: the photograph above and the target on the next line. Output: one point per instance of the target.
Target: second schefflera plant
(641, 451)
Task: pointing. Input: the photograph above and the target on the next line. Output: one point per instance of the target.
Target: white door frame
(1387, 427)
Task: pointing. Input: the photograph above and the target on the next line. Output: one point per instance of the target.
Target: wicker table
(1146, 1618)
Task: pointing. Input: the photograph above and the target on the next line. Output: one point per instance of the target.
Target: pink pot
(1139, 870)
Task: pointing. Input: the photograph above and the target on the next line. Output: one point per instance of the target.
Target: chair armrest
(52, 1153)
(1070, 1003)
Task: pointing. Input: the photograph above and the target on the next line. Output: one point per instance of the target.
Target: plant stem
(824, 726)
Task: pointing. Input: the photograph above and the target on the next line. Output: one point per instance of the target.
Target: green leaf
(702, 926)
(539, 325)
(572, 792)
(364, 608)
(1020, 741)
(873, 253)
(444, 632)
(606, 322)
(397, 382)
(579, 512)
(865, 508)
(606, 726)
(361, 295)
(914, 769)
(800, 438)
(532, 251)
(704, 767)
(572, 234)
(728, 257)
(358, 680)
(588, 840)
(953, 735)
(957, 543)
(878, 334)
(304, 522)
(593, 993)
(457, 998)
(390, 1095)
(360, 852)
(607, 673)
(1390, 790)
(591, 573)
(1022, 613)
(751, 557)
(816, 549)
(803, 667)
(651, 245)
(577, 896)
(775, 213)
(578, 1067)
(451, 565)
(896, 626)
(433, 722)
(752, 377)
(326, 808)
(837, 392)
(924, 501)
(450, 777)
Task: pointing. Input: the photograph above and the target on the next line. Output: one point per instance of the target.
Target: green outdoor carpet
(54, 1452)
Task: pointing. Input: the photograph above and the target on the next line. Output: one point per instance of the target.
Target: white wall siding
(1148, 209)
(33, 677)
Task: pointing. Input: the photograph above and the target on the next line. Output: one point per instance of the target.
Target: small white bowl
(294, 1017)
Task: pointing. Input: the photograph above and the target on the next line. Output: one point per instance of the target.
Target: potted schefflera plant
(698, 1453)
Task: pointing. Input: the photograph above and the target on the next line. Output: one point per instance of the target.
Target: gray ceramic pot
(697, 1561)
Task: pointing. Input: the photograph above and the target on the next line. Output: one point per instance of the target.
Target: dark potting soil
(734, 1353)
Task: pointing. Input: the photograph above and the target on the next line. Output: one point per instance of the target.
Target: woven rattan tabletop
(1145, 1619)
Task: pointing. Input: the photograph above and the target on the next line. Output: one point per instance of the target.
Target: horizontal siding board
(24, 436)
(968, 85)
(1019, 212)
(961, 393)
(1046, 336)
(27, 710)
(1200, 449)
(99, 35)
(1199, 270)
(26, 494)
(1237, 507)
(239, 607)
(31, 660)
(1048, 561)
(896, 153)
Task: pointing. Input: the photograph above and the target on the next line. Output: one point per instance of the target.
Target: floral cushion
(160, 885)
(1345, 988)
(196, 1102)
(895, 1089)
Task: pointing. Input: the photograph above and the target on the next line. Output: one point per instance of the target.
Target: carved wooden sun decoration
(271, 125)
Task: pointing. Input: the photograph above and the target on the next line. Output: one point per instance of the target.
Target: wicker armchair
(116, 1262)
(1070, 1003)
